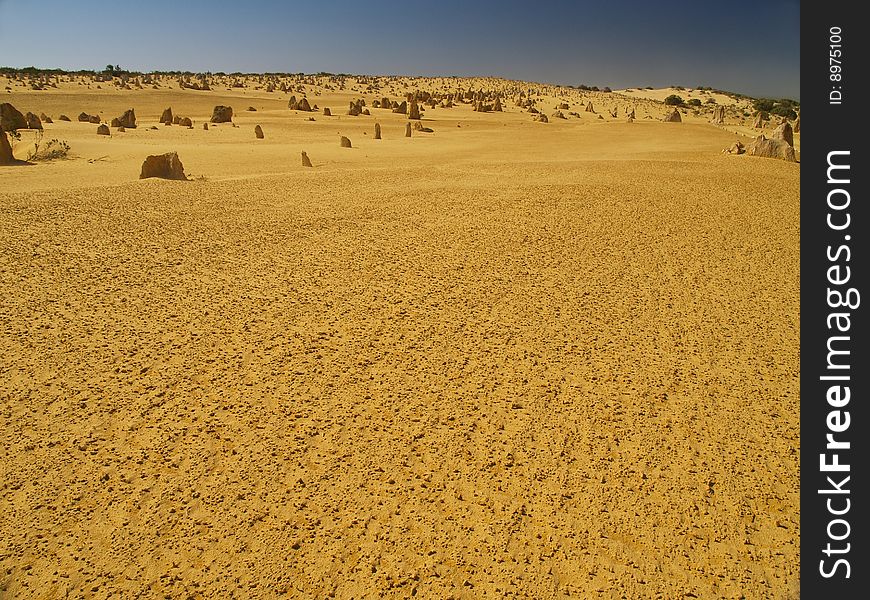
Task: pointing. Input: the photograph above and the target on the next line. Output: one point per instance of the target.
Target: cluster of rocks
(780, 144)
(193, 85)
(735, 148)
(358, 107)
(301, 104)
(86, 118)
(11, 119)
(167, 118)
(127, 120)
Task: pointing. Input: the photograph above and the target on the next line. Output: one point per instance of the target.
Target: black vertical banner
(834, 366)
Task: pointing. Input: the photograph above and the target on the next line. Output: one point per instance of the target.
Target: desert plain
(501, 359)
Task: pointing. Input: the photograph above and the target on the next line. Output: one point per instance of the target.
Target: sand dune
(502, 359)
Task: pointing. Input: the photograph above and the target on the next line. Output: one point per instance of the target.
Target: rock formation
(128, 119)
(164, 166)
(718, 115)
(377, 131)
(673, 117)
(735, 148)
(306, 162)
(6, 157)
(222, 114)
(784, 132)
(407, 130)
(770, 148)
(344, 142)
(103, 130)
(11, 118)
(414, 110)
(33, 121)
(258, 131)
(166, 116)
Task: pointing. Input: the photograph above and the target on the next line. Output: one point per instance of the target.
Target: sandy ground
(505, 359)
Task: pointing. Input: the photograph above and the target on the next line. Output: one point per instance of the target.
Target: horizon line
(330, 73)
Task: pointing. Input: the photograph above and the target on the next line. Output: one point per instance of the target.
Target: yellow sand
(505, 359)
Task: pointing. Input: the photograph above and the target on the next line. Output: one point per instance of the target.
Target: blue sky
(742, 46)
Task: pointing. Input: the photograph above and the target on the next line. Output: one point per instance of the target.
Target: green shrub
(784, 111)
(694, 102)
(673, 100)
(762, 105)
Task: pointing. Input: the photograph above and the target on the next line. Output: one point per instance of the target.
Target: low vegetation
(53, 149)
